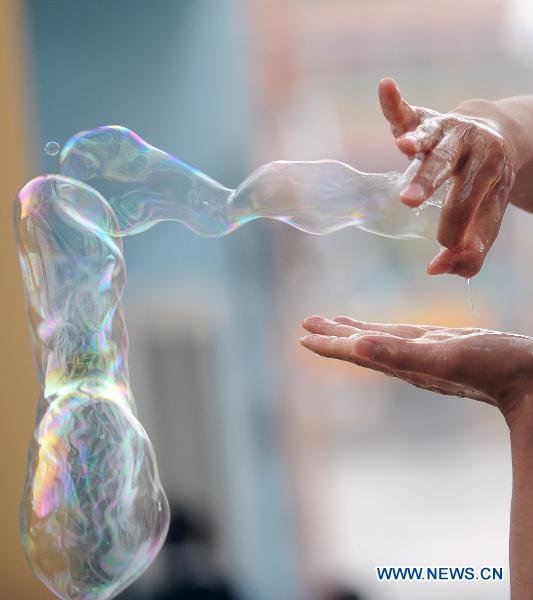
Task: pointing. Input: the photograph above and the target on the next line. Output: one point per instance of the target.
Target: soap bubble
(319, 197)
(94, 514)
(52, 148)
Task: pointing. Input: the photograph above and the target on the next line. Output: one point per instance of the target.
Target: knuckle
(451, 120)
(463, 129)
(442, 153)
(496, 155)
(426, 128)
(423, 177)
(352, 355)
(429, 113)
(430, 171)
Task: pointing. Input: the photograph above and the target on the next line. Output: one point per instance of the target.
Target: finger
(401, 330)
(466, 193)
(465, 262)
(319, 325)
(351, 349)
(480, 235)
(435, 168)
(338, 328)
(397, 111)
(442, 263)
(386, 353)
(486, 222)
(423, 138)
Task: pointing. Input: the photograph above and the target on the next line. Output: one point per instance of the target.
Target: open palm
(489, 366)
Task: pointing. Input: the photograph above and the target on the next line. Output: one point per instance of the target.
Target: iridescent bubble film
(94, 514)
(145, 185)
(52, 148)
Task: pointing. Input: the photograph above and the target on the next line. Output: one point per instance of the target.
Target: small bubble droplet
(52, 148)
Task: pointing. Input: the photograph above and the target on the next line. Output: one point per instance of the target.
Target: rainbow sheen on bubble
(145, 185)
(94, 514)
(52, 148)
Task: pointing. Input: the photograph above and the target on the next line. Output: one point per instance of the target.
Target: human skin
(485, 149)
(489, 366)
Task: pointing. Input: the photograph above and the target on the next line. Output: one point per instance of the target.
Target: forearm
(513, 118)
(521, 534)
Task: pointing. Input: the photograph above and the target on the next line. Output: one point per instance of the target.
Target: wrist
(517, 409)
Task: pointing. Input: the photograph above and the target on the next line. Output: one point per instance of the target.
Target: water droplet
(417, 212)
(52, 148)
(460, 394)
(470, 298)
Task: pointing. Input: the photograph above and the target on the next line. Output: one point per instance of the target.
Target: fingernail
(414, 191)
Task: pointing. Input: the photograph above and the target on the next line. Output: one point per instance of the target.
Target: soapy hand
(475, 154)
(490, 366)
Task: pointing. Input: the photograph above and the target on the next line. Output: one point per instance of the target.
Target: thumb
(400, 354)
(401, 116)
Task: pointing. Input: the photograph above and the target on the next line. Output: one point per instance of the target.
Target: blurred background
(290, 477)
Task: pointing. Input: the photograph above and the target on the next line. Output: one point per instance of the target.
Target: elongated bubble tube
(94, 514)
(145, 185)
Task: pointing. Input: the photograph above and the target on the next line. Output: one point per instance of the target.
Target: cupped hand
(485, 365)
(473, 153)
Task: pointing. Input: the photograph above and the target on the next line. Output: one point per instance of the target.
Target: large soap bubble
(94, 514)
(145, 185)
